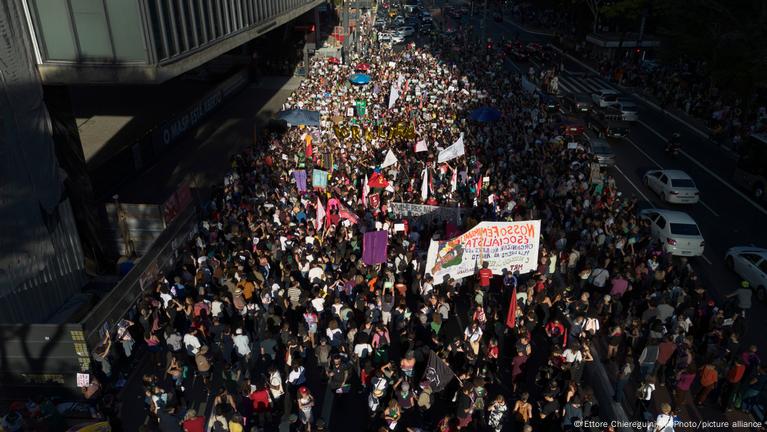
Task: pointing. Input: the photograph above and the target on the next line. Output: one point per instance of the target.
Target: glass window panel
(53, 30)
(92, 31)
(125, 24)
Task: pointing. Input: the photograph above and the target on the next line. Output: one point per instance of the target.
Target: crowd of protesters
(271, 310)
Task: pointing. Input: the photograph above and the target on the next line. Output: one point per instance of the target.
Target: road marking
(708, 208)
(644, 153)
(707, 170)
(633, 185)
(706, 260)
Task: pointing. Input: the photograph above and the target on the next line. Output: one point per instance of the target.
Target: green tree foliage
(729, 35)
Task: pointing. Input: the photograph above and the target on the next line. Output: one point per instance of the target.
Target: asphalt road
(726, 216)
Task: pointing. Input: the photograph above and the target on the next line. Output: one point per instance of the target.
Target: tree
(594, 7)
(729, 36)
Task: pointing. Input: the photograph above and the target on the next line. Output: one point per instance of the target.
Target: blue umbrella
(485, 114)
(360, 78)
(300, 117)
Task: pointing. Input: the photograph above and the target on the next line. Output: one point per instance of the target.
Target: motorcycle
(673, 146)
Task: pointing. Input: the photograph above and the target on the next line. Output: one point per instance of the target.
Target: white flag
(320, 215)
(393, 96)
(389, 160)
(452, 152)
(421, 146)
(425, 184)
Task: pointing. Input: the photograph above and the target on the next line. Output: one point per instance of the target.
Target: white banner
(512, 246)
(389, 160)
(427, 212)
(452, 152)
(393, 96)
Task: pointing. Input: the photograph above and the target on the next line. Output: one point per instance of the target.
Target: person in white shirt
(665, 420)
(192, 343)
(241, 343)
(275, 384)
(599, 277)
(318, 302)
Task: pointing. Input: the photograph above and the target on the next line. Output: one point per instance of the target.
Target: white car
(750, 263)
(676, 230)
(629, 111)
(385, 36)
(406, 31)
(605, 98)
(397, 38)
(672, 186)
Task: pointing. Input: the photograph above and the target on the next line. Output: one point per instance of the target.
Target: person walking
(709, 377)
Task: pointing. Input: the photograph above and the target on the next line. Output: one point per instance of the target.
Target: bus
(751, 172)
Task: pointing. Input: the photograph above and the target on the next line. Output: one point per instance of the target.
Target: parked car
(604, 98)
(608, 123)
(577, 102)
(677, 231)
(750, 263)
(629, 110)
(399, 21)
(672, 186)
(380, 22)
(601, 149)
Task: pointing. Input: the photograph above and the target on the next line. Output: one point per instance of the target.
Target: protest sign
(420, 146)
(319, 179)
(503, 245)
(452, 152)
(83, 380)
(374, 200)
(389, 160)
(426, 213)
(374, 247)
(300, 176)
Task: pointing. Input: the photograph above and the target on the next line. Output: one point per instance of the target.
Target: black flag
(437, 373)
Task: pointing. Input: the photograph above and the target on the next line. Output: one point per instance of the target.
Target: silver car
(629, 111)
(750, 263)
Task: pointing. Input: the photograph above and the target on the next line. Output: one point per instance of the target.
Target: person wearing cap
(742, 297)
(305, 407)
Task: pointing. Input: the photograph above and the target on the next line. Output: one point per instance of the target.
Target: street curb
(672, 115)
(527, 30)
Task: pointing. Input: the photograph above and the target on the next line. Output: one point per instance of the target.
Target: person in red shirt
(732, 381)
(485, 274)
(261, 404)
(192, 422)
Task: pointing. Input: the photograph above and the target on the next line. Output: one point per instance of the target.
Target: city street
(726, 215)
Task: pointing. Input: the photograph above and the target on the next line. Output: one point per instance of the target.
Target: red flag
(479, 186)
(377, 181)
(511, 318)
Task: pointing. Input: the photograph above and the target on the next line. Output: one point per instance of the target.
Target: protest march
(419, 242)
